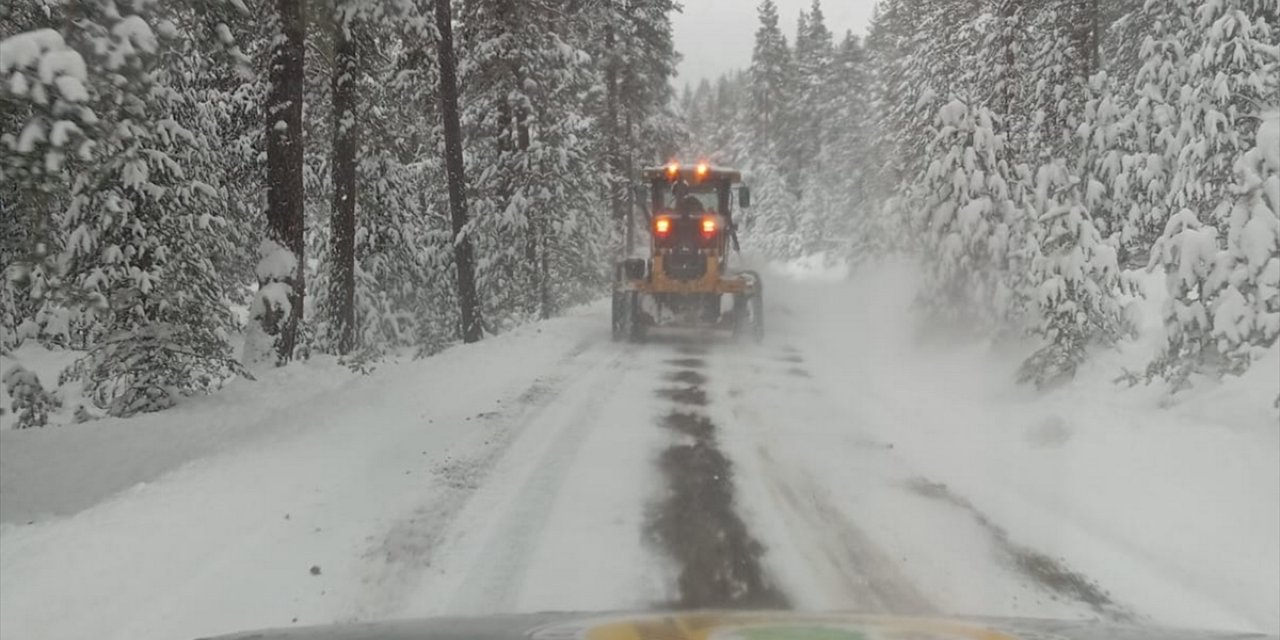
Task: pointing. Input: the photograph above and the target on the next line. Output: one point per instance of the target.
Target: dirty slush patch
(687, 377)
(696, 525)
(685, 395)
(1052, 575)
(688, 363)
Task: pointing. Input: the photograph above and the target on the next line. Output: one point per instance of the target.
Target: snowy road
(552, 469)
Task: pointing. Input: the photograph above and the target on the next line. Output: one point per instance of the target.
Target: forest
(194, 188)
(1031, 155)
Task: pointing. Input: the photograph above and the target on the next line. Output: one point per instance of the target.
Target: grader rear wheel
(619, 327)
(628, 317)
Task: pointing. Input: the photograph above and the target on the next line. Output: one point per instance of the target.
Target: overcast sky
(715, 36)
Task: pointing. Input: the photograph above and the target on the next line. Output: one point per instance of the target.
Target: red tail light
(708, 227)
(662, 227)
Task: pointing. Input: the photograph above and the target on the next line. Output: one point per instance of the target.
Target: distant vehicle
(687, 275)
(735, 626)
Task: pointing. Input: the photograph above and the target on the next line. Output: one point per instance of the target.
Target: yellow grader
(687, 277)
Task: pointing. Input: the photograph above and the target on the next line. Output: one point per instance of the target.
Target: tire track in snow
(828, 538)
(867, 576)
(800, 511)
(696, 523)
(398, 558)
(1047, 573)
(490, 576)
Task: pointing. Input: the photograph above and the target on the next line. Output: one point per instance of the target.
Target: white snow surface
(276, 262)
(517, 474)
(25, 49)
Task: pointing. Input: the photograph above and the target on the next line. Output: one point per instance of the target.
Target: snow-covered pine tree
(534, 174)
(1123, 29)
(771, 73)
(1154, 119)
(1077, 277)
(1216, 83)
(835, 196)
(964, 226)
(809, 112)
(884, 44)
(774, 225)
(45, 116)
(1246, 275)
(31, 403)
(932, 61)
(634, 37)
(1074, 277)
(143, 288)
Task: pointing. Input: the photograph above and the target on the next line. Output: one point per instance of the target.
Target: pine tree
(775, 229)
(1077, 277)
(470, 324)
(1215, 88)
(770, 82)
(1246, 275)
(278, 307)
(809, 112)
(134, 280)
(967, 219)
(342, 285)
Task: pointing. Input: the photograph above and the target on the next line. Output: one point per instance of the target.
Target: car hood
(716, 625)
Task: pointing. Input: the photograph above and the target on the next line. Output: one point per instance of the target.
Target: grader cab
(686, 279)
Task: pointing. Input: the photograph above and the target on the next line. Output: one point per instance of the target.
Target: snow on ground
(59, 470)
(358, 479)
(1173, 509)
(881, 472)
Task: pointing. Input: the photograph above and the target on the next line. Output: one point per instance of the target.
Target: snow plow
(686, 279)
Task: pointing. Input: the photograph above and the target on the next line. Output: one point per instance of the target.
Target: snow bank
(63, 468)
(208, 518)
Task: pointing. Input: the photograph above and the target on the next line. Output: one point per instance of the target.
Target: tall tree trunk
(617, 199)
(1085, 36)
(284, 163)
(544, 271)
(506, 186)
(346, 134)
(468, 301)
(533, 219)
(1095, 41)
(629, 170)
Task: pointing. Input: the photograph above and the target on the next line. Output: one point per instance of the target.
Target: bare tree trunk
(506, 188)
(284, 163)
(533, 221)
(1084, 14)
(346, 135)
(612, 149)
(468, 301)
(1095, 41)
(544, 271)
(628, 170)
